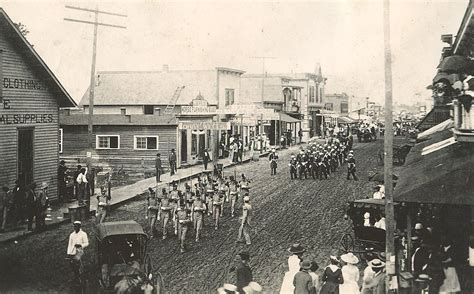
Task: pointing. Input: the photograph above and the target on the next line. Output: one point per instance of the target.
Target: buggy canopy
(108, 229)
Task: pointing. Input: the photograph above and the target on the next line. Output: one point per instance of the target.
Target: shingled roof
(154, 87)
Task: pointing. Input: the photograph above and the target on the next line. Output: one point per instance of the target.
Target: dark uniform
(351, 167)
(273, 158)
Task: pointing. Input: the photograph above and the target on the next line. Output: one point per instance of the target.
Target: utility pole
(388, 150)
(366, 105)
(96, 24)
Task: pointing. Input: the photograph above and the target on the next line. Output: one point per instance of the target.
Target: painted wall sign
(204, 125)
(29, 84)
(26, 118)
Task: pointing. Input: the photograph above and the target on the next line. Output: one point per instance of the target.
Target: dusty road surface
(285, 211)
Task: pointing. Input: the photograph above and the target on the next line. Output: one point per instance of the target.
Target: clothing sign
(204, 125)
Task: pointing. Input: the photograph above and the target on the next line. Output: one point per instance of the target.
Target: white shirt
(79, 238)
(81, 179)
(378, 195)
(380, 224)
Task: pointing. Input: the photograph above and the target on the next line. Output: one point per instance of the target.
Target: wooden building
(30, 98)
(171, 109)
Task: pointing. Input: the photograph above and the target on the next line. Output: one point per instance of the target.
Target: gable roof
(155, 87)
(63, 97)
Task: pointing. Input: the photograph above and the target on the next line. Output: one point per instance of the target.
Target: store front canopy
(286, 118)
(345, 120)
(438, 171)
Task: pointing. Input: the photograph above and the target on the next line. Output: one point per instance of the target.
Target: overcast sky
(345, 37)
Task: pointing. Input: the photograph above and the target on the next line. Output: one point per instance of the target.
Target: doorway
(202, 144)
(25, 155)
(184, 146)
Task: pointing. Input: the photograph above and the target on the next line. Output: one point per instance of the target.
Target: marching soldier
(233, 194)
(166, 209)
(245, 222)
(217, 201)
(351, 167)
(244, 185)
(153, 209)
(183, 221)
(273, 158)
(174, 199)
(198, 209)
(293, 167)
(209, 198)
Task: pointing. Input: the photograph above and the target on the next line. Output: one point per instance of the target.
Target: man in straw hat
(296, 251)
(252, 288)
(273, 158)
(302, 281)
(41, 206)
(227, 289)
(375, 284)
(350, 274)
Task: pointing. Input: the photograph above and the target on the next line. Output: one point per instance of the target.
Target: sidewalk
(60, 214)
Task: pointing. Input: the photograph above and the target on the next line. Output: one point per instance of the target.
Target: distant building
(137, 114)
(339, 103)
(30, 96)
(298, 95)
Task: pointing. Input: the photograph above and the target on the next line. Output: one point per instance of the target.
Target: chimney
(166, 68)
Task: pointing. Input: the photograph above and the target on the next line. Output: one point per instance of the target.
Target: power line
(96, 24)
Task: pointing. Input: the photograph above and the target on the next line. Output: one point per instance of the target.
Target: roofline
(238, 71)
(36, 55)
(463, 27)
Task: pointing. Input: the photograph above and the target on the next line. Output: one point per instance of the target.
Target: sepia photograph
(237, 146)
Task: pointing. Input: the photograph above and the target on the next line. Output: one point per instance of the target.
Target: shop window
(311, 94)
(107, 142)
(146, 142)
(60, 140)
(193, 144)
(148, 109)
(229, 96)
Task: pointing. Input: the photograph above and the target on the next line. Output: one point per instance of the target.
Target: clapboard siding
(75, 146)
(18, 65)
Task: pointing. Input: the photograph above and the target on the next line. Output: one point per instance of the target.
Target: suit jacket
(303, 283)
(376, 285)
(158, 163)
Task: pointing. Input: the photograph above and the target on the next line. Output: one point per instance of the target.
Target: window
(107, 142)
(60, 141)
(148, 109)
(321, 95)
(229, 96)
(329, 106)
(311, 94)
(146, 142)
(344, 107)
(123, 111)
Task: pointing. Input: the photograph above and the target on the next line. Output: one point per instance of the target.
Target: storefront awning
(441, 175)
(286, 118)
(345, 120)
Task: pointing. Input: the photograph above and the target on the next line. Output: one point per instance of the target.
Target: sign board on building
(198, 106)
(204, 125)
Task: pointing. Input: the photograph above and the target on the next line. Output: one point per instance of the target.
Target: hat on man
(77, 223)
(227, 288)
(296, 248)
(172, 149)
(305, 264)
(423, 278)
(244, 255)
(252, 287)
(350, 258)
(376, 263)
(418, 226)
(246, 199)
(62, 162)
(351, 151)
(350, 155)
(382, 256)
(44, 185)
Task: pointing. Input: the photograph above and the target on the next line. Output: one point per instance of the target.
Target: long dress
(287, 286)
(350, 273)
(332, 278)
(451, 281)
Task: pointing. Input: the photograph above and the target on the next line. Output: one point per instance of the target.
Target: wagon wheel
(380, 157)
(347, 243)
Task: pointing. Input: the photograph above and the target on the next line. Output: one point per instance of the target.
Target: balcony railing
(463, 121)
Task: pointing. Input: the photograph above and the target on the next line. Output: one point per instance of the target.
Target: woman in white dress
(451, 282)
(294, 260)
(350, 273)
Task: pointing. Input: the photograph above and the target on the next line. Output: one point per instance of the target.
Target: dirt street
(310, 212)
